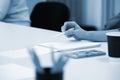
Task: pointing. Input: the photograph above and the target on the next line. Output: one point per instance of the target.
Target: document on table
(15, 72)
(20, 53)
(23, 53)
(70, 46)
(45, 48)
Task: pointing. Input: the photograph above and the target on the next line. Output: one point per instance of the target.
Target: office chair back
(49, 15)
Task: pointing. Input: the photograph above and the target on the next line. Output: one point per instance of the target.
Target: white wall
(117, 7)
(93, 13)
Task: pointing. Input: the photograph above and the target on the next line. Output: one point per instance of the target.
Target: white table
(14, 37)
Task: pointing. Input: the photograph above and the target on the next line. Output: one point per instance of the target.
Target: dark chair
(49, 15)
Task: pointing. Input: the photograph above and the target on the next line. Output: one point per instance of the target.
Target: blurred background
(93, 13)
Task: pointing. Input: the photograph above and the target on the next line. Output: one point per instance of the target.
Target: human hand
(68, 25)
(72, 29)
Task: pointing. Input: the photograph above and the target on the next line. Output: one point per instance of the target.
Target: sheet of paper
(68, 45)
(23, 53)
(45, 48)
(15, 72)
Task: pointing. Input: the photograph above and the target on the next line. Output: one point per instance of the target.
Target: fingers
(68, 25)
(69, 33)
(72, 29)
(74, 33)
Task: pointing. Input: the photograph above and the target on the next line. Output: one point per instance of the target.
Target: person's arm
(97, 35)
(80, 34)
(4, 5)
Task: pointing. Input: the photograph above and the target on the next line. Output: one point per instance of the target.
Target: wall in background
(93, 13)
(88, 12)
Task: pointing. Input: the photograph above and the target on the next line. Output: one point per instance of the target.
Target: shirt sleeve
(4, 6)
(113, 23)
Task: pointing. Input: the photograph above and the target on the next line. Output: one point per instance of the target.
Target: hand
(68, 25)
(72, 29)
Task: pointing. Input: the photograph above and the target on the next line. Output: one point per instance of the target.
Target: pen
(62, 33)
(47, 47)
(35, 59)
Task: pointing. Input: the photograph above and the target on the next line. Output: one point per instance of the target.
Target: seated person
(72, 29)
(14, 11)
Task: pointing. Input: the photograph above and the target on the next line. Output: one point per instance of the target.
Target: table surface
(15, 37)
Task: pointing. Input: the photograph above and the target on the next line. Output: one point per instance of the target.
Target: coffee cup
(113, 39)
